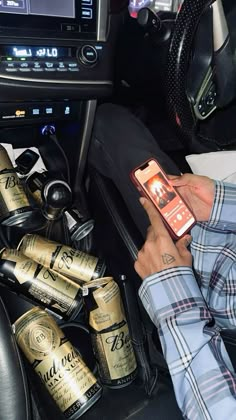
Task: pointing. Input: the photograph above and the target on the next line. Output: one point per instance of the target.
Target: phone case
(145, 194)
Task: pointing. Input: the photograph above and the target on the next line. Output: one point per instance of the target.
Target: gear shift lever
(56, 197)
(53, 195)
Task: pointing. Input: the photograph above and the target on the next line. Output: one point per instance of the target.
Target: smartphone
(152, 182)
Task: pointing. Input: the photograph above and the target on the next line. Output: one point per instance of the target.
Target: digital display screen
(59, 8)
(34, 52)
(160, 190)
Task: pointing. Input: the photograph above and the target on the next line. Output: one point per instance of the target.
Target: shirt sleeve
(224, 207)
(202, 374)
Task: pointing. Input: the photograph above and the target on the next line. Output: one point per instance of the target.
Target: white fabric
(216, 165)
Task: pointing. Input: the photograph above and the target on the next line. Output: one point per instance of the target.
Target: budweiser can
(111, 341)
(59, 365)
(14, 204)
(70, 262)
(39, 284)
(78, 226)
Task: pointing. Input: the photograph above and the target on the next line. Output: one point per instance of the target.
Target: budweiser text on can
(69, 381)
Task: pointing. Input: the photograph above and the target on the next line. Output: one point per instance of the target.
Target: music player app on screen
(170, 204)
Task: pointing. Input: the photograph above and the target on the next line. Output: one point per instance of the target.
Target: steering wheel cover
(179, 107)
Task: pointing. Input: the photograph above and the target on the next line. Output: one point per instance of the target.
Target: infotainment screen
(62, 8)
(50, 18)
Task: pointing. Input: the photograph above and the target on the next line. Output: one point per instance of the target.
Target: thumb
(183, 244)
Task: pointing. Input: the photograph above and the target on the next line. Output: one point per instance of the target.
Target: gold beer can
(110, 333)
(59, 365)
(14, 204)
(39, 284)
(68, 261)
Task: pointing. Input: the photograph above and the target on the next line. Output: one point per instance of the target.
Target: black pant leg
(121, 142)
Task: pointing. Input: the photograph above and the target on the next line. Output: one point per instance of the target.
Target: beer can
(35, 183)
(111, 340)
(68, 261)
(67, 378)
(78, 227)
(39, 284)
(14, 204)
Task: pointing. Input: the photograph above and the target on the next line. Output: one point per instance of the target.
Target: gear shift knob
(52, 195)
(56, 197)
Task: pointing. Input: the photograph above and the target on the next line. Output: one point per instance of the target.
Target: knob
(149, 20)
(57, 197)
(153, 25)
(88, 55)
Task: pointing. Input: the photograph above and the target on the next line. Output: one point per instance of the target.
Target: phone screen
(165, 197)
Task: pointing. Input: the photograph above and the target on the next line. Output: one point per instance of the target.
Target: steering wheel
(201, 74)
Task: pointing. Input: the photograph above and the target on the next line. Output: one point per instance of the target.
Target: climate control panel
(49, 64)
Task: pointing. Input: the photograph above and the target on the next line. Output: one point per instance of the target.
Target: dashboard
(157, 5)
(54, 54)
(52, 50)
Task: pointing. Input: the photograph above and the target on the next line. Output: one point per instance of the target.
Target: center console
(55, 63)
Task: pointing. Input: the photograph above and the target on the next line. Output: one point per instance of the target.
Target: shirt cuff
(169, 293)
(223, 210)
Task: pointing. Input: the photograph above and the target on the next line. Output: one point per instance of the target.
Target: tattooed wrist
(167, 259)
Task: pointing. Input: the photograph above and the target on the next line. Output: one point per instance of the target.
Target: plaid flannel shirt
(190, 306)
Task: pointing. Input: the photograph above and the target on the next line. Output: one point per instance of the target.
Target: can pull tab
(85, 291)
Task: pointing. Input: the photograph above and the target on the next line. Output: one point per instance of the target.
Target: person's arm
(223, 214)
(202, 374)
(211, 201)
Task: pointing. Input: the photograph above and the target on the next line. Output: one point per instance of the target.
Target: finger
(154, 217)
(182, 245)
(173, 177)
(180, 181)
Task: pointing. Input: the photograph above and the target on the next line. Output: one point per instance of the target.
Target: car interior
(172, 64)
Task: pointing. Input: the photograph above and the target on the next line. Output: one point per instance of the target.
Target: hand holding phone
(160, 251)
(152, 182)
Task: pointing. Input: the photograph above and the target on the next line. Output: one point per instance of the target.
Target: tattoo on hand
(168, 259)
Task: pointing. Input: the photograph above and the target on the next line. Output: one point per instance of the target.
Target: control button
(72, 65)
(49, 65)
(37, 65)
(25, 70)
(61, 65)
(88, 55)
(35, 111)
(87, 13)
(11, 65)
(24, 65)
(49, 110)
(70, 28)
(67, 110)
